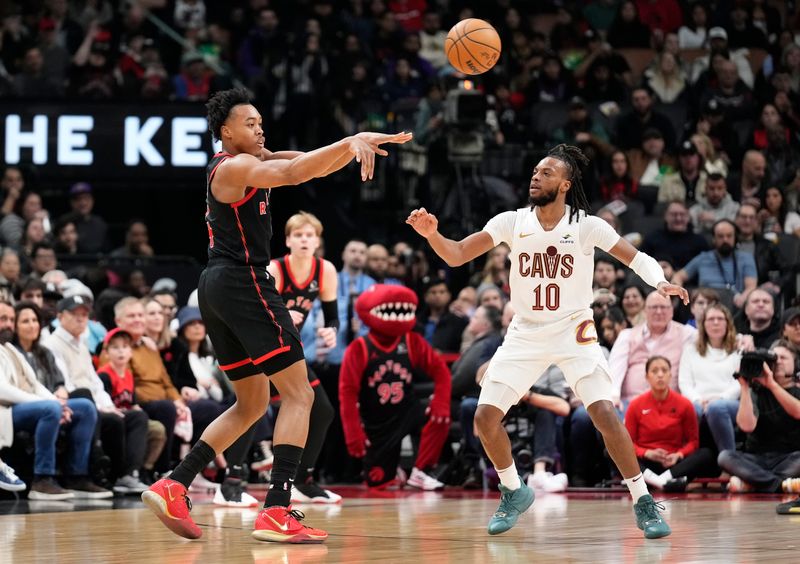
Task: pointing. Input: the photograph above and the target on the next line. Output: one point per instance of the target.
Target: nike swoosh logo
(284, 527)
(637, 478)
(523, 235)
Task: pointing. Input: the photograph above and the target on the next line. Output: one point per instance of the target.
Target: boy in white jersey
(552, 262)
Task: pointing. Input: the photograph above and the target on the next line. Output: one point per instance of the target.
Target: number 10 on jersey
(548, 297)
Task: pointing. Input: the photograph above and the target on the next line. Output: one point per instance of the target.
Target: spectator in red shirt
(660, 15)
(663, 427)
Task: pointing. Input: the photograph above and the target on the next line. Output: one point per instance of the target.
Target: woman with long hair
(618, 183)
(156, 326)
(705, 376)
(700, 298)
(775, 214)
(627, 29)
(668, 81)
(712, 162)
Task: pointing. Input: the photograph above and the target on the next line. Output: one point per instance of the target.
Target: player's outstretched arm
(648, 269)
(454, 253)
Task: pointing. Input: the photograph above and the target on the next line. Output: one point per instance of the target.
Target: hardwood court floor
(421, 528)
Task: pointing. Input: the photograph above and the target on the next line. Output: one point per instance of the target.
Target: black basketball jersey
(300, 296)
(240, 231)
(386, 385)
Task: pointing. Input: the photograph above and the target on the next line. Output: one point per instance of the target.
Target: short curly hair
(219, 107)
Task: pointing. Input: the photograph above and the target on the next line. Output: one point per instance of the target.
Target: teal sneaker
(513, 503)
(649, 519)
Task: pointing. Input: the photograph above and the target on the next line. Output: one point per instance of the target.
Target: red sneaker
(167, 499)
(282, 524)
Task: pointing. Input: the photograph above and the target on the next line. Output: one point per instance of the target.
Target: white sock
(509, 477)
(636, 486)
(653, 479)
(666, 476)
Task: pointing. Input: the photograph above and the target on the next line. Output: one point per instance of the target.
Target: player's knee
(301, 395)
(487, 417)
(604, 416)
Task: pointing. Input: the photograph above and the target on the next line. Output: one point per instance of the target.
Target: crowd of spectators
(688, 110)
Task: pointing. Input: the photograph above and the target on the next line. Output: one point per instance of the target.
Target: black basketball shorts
(249, 326)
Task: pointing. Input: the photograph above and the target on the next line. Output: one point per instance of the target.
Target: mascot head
(389, 310)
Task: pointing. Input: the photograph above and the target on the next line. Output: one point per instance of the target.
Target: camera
(752, 364)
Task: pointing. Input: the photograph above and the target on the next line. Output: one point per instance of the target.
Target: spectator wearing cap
(631, 126)
(92, 74)
(118, 381)
(718, 43)
(650, 163)
(193, 363)
(715, 204)
(688, 183)
(675, 241)
(790, 328)
(92, 229)
(137, 241)
(95, 331)
(581, 130)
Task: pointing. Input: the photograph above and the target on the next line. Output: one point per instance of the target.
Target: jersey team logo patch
(313, 286)
(586, 333)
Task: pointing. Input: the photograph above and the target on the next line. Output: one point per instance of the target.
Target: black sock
(197, 459)
(287, 459)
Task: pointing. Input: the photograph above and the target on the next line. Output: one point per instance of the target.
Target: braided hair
(219, 107)
(574, 160)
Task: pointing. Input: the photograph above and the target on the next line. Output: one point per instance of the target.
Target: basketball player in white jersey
(552, 261)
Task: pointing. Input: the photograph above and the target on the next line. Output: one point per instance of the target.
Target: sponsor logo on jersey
(567, 239)
(402, 349)
(313, 286)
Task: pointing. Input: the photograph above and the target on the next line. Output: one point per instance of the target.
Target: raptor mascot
(376, 390)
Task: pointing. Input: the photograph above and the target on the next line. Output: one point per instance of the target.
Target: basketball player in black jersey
(251, 330)
(300, 278)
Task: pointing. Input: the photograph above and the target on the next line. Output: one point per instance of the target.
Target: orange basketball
(472, 46)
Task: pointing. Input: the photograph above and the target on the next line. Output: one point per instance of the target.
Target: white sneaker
(244, 499)
(9, 480)
(200, 484)
(130, 484)
(313, 493)
(547, 482)
(268, 458)
(737, 485)
(537, 480)
(423, 481)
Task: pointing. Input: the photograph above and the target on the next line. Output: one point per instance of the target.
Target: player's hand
(357, 446)
(438, 414)
(672, 459)
(381, 138)
(423, 222)
(666, 289)
(365, 154)
(297, 317)
(328, 336)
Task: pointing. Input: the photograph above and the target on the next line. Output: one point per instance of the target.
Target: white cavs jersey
(551, 271)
